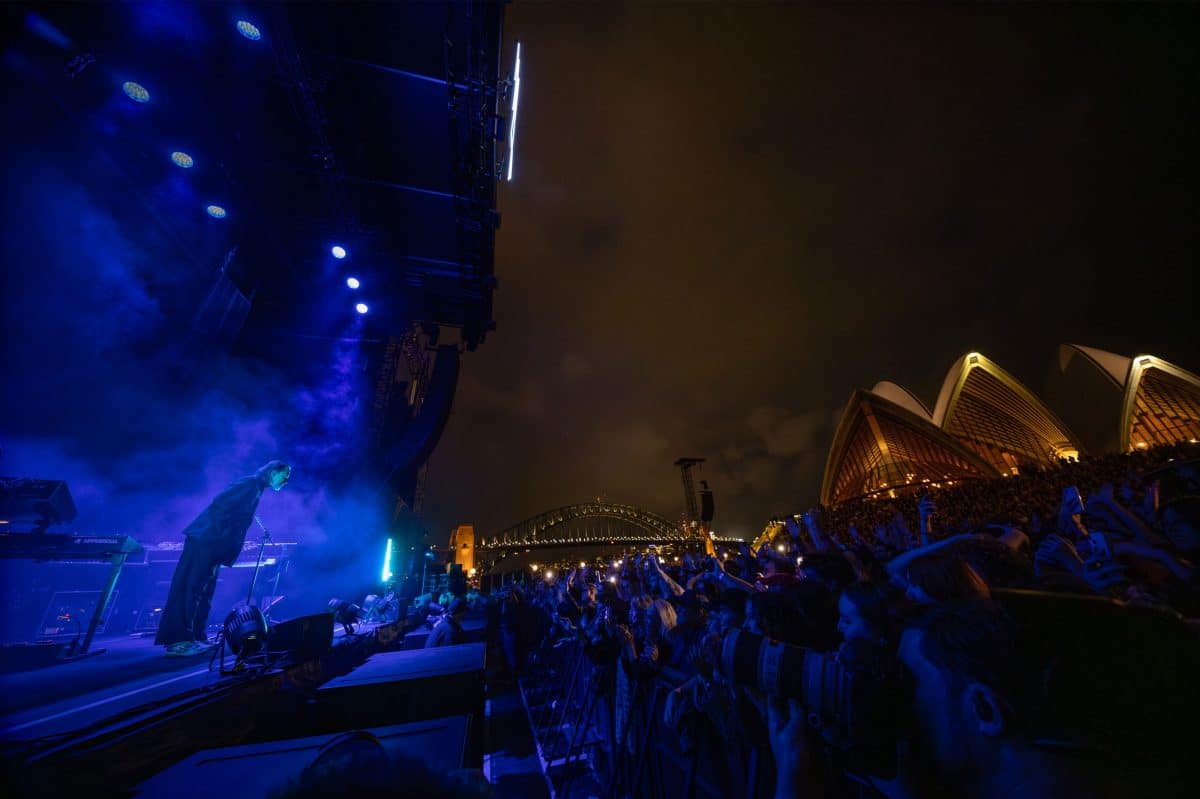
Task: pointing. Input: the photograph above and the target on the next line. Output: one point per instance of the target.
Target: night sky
(724, 218)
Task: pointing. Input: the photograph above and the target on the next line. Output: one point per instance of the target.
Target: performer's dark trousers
(190, 599)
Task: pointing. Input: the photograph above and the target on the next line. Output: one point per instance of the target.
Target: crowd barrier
(592, 725)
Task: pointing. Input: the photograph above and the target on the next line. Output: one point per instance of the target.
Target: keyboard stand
(117, 562)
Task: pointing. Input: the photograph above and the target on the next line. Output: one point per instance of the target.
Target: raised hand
(1105, 577)
(1070, 512)
(812, 518)
(1072, 500)
(1058, 551)
(925, 509)
(786, 728)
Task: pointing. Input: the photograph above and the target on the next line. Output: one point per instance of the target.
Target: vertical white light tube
(512, 120)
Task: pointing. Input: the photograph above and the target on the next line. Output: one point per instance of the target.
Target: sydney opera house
(986, 423)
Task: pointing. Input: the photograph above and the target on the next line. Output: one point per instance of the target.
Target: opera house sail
(986, 423)
(881, 445)
(991, 412)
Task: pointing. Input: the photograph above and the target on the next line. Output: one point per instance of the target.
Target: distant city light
(549, 573)
(216, 211)
(616, 563)
(248, 30)
(361, 307)
(136, 92)
(338, 251)
(582, 564)
(512, 117)
(352, 282)
(182, 159)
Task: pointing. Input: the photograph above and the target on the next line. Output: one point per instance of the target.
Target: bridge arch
(553, 527)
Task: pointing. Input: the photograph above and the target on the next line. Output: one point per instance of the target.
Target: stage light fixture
(248, 30)
(512, 119)
(387, 562)
(338, 251)
(245, 631)
(361, 307)
(352, 282)
(182, 159)
(136, 92)
(215, 211)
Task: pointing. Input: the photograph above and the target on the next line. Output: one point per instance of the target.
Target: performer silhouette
(214, 538)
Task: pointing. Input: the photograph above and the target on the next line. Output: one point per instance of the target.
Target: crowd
(1034, 635)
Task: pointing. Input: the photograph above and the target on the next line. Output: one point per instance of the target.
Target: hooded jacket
(221, 527)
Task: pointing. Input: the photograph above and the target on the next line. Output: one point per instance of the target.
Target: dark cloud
(734, 214)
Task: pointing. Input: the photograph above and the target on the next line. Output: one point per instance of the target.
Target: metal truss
(559, 526)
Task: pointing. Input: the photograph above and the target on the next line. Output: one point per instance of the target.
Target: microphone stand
(262, 545)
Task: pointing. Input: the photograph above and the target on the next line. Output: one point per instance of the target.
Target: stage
(133, 716)
(69, 696)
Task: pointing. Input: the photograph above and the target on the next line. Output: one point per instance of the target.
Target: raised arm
(675, 588)
(1105, 501)
(897, 567)
(812, 520)
(728, 580)
(926, 508)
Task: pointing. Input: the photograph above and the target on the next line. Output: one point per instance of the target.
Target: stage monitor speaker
(305, 637)
(267, 768)
(404, 687)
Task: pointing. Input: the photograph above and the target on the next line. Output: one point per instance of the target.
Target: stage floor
(132, 672)
(133, 681)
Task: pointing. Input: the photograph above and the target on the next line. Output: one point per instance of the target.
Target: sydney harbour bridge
(590, 527)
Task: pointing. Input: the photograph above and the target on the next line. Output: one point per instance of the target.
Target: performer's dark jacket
(221, 527)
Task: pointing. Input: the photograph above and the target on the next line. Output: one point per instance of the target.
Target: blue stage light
(512, 119)
(387, 562)
(361, 307)
(216, 211)
(136, 92)
(338, 251)
(248, 30)
(182, 159)
(352, 282)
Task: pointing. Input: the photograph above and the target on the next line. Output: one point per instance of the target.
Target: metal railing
(602, 732)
